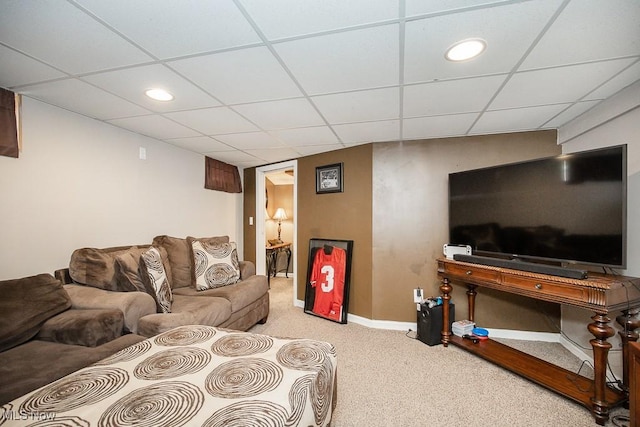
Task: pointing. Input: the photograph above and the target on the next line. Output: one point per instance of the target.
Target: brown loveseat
(43, 338)
(118, 278)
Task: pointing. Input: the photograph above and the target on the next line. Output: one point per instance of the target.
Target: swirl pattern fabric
(215, 264)
(192, 376)
(156, 280)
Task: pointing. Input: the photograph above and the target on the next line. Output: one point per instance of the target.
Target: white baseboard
(405, 326)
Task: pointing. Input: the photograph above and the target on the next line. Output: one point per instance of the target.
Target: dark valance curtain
(8, 124)
(221, 176)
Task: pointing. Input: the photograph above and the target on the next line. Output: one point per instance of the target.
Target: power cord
(415, 334)
(618, 419)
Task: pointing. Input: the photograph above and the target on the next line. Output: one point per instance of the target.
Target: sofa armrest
(88, 328)
(133, 305)
(247, 269)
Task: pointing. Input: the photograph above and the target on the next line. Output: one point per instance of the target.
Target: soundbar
(531, 267)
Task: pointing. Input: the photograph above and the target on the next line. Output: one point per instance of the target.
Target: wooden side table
(272, 258)
(603, 294)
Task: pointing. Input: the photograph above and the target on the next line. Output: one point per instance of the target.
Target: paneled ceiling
(261, 81)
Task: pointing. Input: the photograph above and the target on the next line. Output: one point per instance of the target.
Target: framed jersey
(328, 275)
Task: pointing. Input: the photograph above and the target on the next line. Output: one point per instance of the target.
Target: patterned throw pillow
(155, 279)
(215, 264)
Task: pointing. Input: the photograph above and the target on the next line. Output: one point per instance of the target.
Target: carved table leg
(629, 322)
(471, 299)
(445, 289)
(601, 330)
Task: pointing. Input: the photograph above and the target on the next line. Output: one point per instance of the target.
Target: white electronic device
(450, 250)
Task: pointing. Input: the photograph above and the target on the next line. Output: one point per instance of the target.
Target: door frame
(261, 259)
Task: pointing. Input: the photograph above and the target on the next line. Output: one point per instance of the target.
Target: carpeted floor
(388, 378)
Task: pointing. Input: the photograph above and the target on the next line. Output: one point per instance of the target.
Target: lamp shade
(280, 214)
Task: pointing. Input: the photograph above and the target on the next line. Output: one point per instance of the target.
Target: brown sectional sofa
(112, 278)
(43, 337)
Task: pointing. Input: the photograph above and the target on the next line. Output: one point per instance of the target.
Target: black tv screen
(569, 209)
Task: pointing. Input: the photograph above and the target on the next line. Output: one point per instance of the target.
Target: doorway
(285, 174)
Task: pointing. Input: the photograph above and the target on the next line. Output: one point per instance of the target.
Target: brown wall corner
(340, 216)
(249, 210)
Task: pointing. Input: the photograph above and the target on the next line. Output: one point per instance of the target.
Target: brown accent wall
(395, 209)
(410, 224)
(249, 210)
(345, 215)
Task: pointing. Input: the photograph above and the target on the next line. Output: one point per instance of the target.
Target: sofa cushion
(180, 257)
(128, 272)
(215, 264)
(133, 305)
(89, 328)
(25, 304)
(97, 267)
(239, 295)
(155, 279)
(187, 310)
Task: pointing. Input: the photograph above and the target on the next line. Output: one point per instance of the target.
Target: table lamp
(280, 215)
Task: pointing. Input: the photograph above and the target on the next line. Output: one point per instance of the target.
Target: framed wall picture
(329, 179)
(328, 276)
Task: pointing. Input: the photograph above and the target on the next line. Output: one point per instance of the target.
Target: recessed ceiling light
(159, 94)
(465, 49)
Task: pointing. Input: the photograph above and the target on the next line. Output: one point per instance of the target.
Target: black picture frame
(328, 279)
(329, 179)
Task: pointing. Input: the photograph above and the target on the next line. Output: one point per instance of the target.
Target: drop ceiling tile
(438, 126)
(76, 95)
(169, 31)
(516, 120)
(199, 144)
(421, 7)
(555, 85)
(308, 150)
(154, 126)
(306, 136)
(43, 27)
(448, 97)
(234, 157)
(388, 130)
(312, 16)
(250, 140)
(131, 84)
(290, 113)
(239, 76)
(570, 114)
(212, 121)
(589, 30)
(625, 78)
(17, 69)
(359, 59)
(367, 105)
(508, 30)
(270, 155)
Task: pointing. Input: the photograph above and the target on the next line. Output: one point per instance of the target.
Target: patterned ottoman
(192, 376)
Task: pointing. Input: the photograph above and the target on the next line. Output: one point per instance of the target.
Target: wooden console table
(272, 258)
(602, 294)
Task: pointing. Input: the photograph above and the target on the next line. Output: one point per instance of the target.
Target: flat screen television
(568, 209)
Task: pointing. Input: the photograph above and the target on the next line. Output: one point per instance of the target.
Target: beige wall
(79, 182)
(410, 224)
(604, 130)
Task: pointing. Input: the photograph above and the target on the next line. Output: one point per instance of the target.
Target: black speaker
(430, 323)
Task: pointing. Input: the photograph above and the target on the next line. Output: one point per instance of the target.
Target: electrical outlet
(418, 295)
